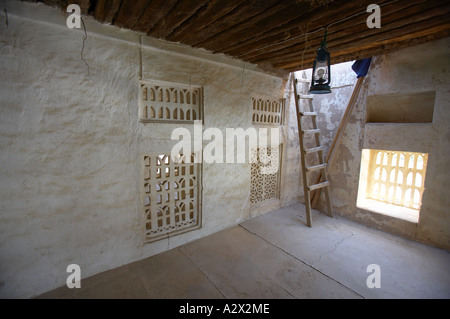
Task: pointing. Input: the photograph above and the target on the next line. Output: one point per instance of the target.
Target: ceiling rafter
(347, 32)
(399, 29)
(281, 34)
(299, 30)
(233, 20)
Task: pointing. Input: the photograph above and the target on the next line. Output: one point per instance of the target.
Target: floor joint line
(199, 269)
(295, 257)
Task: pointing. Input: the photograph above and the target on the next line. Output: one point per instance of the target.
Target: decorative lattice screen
(265, 111)
(265, 171)
(397, 177)
(171, 196)
(167, 102)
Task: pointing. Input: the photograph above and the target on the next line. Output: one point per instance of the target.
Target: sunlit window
(394, 178)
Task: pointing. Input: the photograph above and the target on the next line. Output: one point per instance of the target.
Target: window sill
(408, 214)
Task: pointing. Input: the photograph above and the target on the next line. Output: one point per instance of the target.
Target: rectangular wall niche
(267, 111)
(265, 174)
(394, 179)
(169, 102)
(172, 199)
(401, 108)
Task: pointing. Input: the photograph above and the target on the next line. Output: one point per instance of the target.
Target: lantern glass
(321, 72)
(321, 77)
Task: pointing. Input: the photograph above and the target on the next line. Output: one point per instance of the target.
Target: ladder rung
(317, 186)
(314, 149)
(308, 113)
(316, 131)
(315, 168)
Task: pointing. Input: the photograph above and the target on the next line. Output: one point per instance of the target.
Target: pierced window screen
(265, 174)
(265, 111)
(166, 102)
(397, 177)
(171, 196)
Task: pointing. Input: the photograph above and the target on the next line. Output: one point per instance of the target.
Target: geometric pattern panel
(265, 174)
(397, 177)
(168, 102)
(171, 196)
(265, 111)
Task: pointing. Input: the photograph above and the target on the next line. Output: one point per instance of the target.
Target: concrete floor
(276, 256)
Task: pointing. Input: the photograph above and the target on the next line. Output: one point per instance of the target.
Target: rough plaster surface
(424, 68)
(71, 144)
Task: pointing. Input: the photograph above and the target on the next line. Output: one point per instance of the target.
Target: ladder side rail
(302, 155)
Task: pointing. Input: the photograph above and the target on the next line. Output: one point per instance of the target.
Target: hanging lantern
(321, 75)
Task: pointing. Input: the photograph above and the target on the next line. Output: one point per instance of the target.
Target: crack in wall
(82, 47)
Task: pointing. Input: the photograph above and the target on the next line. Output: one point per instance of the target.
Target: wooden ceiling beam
(214, 10)
(284, 34)
(311, 20)
(373, 51)
(356, 47)
(155, 11)
(105, 10)
(59, 3)
(424, 29)
(212, 27)
(181, 12)
(129, 13)
(351, 34)
(267, 20)
(421, 29)
(390, 47)
(84, 5)
(426, 11)
(239, 15)
(348, 28)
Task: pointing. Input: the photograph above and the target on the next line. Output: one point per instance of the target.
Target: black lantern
(321, 75)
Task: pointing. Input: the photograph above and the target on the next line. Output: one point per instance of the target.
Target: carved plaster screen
(265, 174)
(169, 102)
(397, 177)
(267, 111)
(171, 196)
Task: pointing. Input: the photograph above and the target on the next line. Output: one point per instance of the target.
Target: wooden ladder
(317, 149)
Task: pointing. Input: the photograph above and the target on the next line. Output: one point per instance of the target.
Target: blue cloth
(361, 67)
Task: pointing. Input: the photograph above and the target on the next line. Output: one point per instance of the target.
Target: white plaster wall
(291, 185)
(422, 68)
(71, 144)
